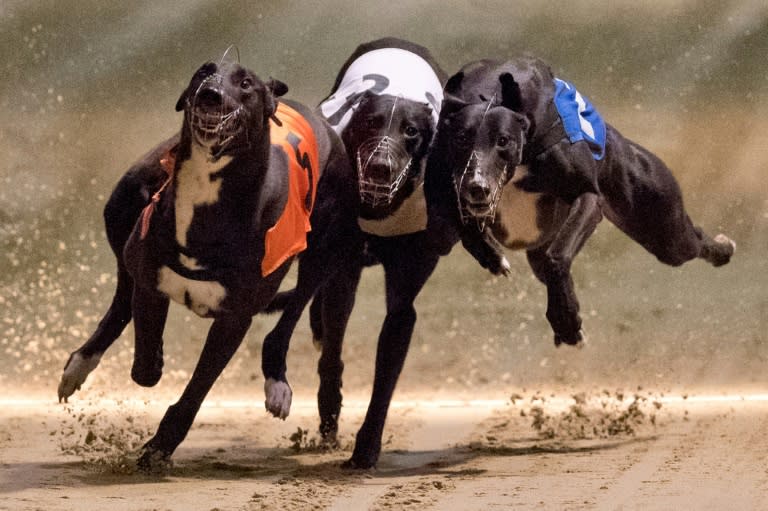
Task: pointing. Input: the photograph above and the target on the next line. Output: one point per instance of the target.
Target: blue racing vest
(581, 120)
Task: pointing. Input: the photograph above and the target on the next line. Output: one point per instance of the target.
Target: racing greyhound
(532, 164)
(385, 105)
(238, 187)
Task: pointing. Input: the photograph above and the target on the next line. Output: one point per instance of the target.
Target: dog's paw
(146, 375)
(147, 367)
(153, 461)
(498, 266)
(726, 249)
(504, 267)
(76, 371)
(577, 340)
(278, 398)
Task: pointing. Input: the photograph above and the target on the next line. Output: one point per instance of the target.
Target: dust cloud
(86, 91)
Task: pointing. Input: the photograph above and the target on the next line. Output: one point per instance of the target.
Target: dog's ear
(452, 104)
(182, 101)
(277, 87)
(453, 85)
(510, 93)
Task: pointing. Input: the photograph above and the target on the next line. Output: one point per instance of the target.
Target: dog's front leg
(486, 250)
(406, 271)
(224, 337)
(552, 265)
(150, 310)
(85, 359)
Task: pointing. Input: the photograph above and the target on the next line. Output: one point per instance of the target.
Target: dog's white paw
(506, 268)
(278, 398)
(722, 238)
(75, 372)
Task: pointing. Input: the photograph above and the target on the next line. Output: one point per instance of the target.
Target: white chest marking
(201, 297)
(194, 187)
(410, 217)
(517, 212)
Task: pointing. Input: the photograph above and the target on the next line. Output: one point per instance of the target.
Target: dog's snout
(209, 97)
(478, 189)
(379, 170)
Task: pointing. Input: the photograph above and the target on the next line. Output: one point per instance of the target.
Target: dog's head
(227, 107)
(482, 144)
(388, 138)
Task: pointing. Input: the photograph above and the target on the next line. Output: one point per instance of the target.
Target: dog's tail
(279, 301)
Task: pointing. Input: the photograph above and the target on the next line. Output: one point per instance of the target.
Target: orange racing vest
(288, 236)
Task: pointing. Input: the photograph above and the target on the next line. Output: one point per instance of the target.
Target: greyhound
(233, 210)
(385, 105)
(532, 164)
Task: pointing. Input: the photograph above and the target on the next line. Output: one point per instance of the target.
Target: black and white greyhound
(532, 165)
(241, 181)
(385, 106)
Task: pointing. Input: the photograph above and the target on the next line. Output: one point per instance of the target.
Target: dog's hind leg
(150, 312)
(645, 201)
(224, 337)
(338, 299)
(334, 241)
(316, 265)
(316, 320)
(406, 271)
(552, 265)
(664, 229)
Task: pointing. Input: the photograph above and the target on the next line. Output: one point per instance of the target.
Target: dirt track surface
(662, 452)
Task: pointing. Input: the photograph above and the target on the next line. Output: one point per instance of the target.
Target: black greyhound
(385, 105)
(220, 234)
(533, 165)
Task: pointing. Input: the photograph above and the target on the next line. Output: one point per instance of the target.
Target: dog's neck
(406, 214)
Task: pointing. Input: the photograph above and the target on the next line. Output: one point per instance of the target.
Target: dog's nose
(478, 189)
(378, 170)
(209, 97)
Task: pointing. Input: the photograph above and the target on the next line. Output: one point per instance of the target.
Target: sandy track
(700, 454)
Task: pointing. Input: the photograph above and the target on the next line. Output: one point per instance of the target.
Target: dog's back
(386, 66)
(390, 42)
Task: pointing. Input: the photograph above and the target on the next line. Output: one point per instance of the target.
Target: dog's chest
(409, 218)
(196, 185)
(518, 213)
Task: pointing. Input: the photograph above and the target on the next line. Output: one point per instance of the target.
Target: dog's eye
(411, 131)
(502, 141)
(246, 84)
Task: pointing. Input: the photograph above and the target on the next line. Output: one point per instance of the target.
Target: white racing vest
(399, 73)
(386, 71)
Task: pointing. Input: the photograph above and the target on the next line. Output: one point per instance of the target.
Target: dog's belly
(518, 214)
(201, 297)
